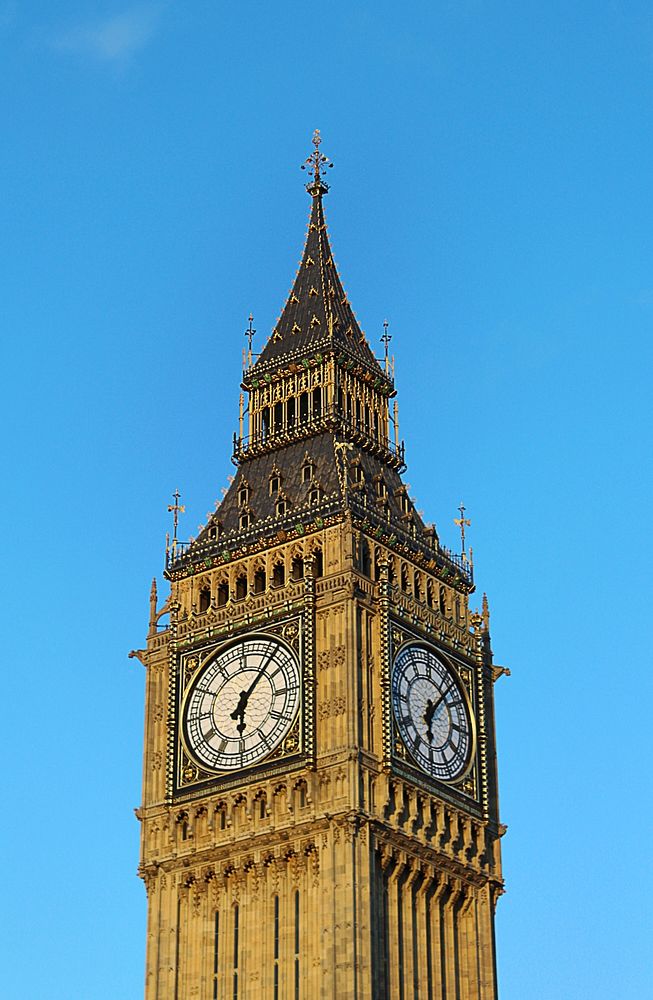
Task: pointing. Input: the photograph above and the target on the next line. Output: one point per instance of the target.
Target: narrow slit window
(276, 948)
(216, 954)
(297, 944)
(278, 418)
(236, 949)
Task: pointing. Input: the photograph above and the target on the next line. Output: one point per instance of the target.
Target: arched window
(297, 569)
(245, 521)
(259, 581)
(243, 495)
(278, 575)
(222, 594)
(275, 484)
(442, 600)
(314, 495)
(418, 587)
(307, 472)
(205, 599)
(365, 557)
(241, 587)
(318, 562)
(221, 814)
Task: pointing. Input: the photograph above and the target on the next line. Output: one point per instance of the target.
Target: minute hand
(258, 676)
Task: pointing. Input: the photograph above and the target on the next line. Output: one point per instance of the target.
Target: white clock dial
(432, 712)
(242, 703)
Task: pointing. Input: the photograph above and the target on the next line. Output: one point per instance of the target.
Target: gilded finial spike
(316, 163)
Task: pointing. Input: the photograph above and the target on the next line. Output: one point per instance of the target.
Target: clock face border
(470, 756)
(471, 792)
(226, 720)
(186, 779)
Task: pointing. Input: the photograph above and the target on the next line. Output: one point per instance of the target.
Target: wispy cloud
(112, 39)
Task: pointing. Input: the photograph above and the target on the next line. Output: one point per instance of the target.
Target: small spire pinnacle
(316, 163)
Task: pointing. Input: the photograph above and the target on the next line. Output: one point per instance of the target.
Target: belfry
(320, 809)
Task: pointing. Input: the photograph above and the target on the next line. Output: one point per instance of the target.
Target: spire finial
(462, 523)
(249, 333)
(175, 509)
(316, 163)
(385, 340)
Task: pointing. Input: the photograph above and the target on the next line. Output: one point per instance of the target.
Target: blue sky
(492, 199)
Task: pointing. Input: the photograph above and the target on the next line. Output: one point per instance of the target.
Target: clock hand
(431, 709)
(239, 711)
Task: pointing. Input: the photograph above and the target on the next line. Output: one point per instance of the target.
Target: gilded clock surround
(334, 868)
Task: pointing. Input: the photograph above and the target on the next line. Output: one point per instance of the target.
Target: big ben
(320, 809)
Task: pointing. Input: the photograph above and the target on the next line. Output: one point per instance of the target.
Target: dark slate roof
(287, 463)
(317, 313)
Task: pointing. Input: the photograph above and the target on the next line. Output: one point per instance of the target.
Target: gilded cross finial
(316, 163)
(462, 523)
(176, 509)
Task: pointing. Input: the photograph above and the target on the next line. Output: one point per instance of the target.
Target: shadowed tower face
(320, 811)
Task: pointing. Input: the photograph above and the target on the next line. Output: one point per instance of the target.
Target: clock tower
(320, 810)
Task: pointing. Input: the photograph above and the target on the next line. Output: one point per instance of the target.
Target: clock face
(432, 713)
(242, 703)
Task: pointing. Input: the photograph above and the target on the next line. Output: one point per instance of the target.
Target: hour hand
(239, 711)
(428, 718)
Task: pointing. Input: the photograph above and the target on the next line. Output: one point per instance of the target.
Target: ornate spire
(316, 163)
(317, 315)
